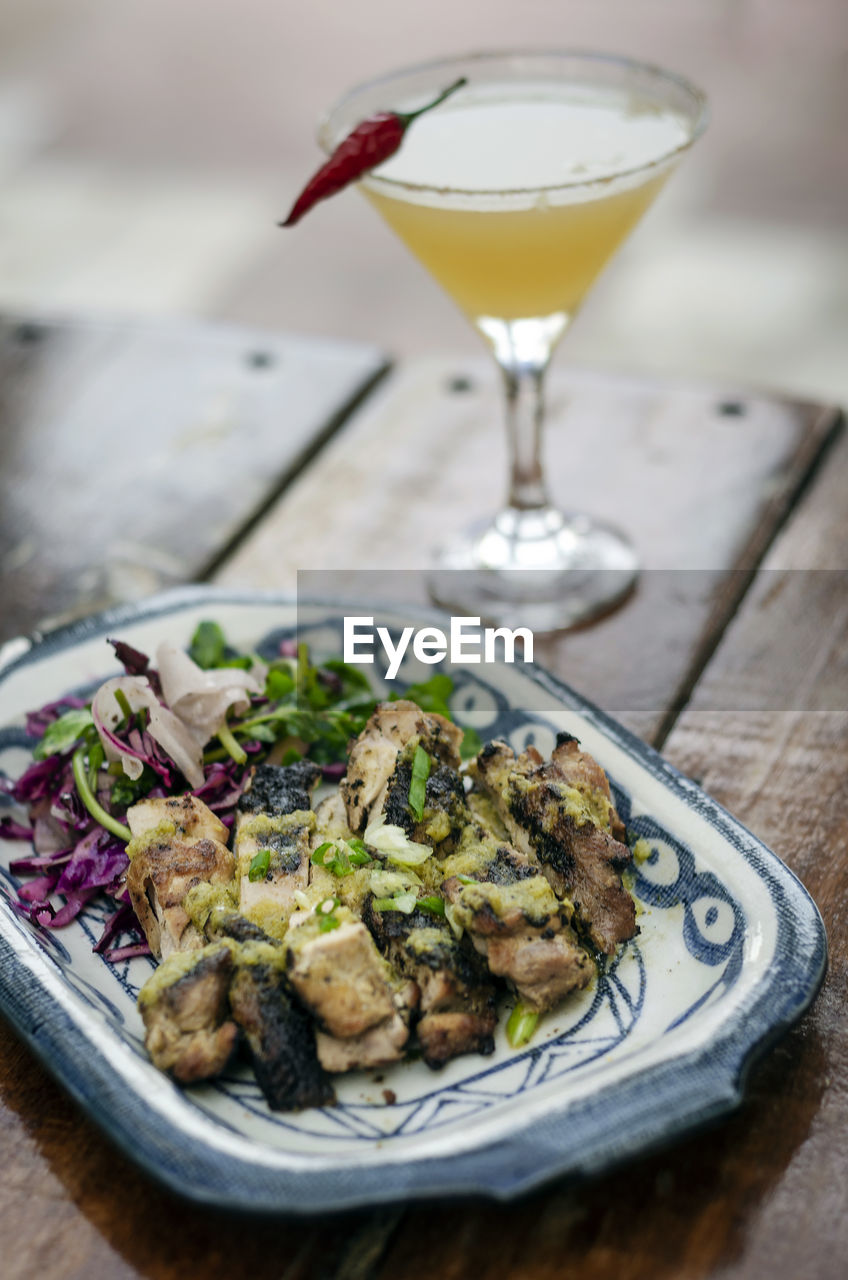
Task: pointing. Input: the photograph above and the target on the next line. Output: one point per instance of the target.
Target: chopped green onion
(358, 846)
(121, 699)
(87, 796)
(228, 742)
(324, 911)
(340, 866)
(393, 843)
(259, 865)
(521, 1025)
(405, 902)
(466, 880)
(433, 904)
(418, 785)
(340, 862)
(359, 857)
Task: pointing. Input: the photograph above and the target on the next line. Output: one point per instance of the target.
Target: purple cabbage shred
(134, 662)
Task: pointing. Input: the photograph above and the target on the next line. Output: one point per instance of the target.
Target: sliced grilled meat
(273, 865)
(188, 1031)
(185, 817)
(373, 756)
(458, 1001)
(161, 873)
(580, 770)
(280, 1033)
(339, 974)
(273, 829)
(561, 812)
(499, 896)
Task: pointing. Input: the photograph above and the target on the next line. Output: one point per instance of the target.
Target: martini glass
(513, 194)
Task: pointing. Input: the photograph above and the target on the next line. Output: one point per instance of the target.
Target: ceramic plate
(730, 951)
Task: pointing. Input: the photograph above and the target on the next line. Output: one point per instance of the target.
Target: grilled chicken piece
(269, 898)
(280, 1034)
(161, 873)
(561, 811)
(275, 816)
(499, 896)
(458, 999)
(188, 1031)
(339, 974)
(362, 1008)
(189, 818)
(379, 1046)
(373, 756)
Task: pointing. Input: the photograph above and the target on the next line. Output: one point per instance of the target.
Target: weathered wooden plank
(763, 1194)
(133, 455)
(700, 477)
(86, 1211)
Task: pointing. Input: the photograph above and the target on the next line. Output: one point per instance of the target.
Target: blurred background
(147, 148)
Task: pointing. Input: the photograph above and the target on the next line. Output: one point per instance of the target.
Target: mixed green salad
(195, 721)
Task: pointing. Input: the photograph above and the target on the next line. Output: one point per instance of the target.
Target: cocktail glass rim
(700, 117)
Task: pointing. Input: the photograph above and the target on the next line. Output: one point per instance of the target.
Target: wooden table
(138, 457)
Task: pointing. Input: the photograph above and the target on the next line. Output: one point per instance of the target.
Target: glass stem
(523, 350)
(525, 415)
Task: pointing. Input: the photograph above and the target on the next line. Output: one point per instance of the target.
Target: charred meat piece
(561, 812)
(272, 842)
(445, 813)
(458, 1000)
(279, 789)
(373, 755)
(223, 922)
(160, 875)
(580, 770)
(500, 898)
(188, 1031)
(279, 1033)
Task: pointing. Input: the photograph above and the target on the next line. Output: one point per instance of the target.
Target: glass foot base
(541, 569)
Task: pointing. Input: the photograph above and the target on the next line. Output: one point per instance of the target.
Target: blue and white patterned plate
(731, 950)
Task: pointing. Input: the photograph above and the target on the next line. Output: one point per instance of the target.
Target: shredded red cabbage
(11, 830)
(116, 954)
(134, 662)
(39, 780)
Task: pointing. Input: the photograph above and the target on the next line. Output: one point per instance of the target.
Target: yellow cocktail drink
(518, 177)
(514, 204)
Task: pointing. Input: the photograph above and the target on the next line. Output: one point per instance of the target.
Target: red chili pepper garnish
(370, 143)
